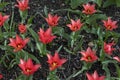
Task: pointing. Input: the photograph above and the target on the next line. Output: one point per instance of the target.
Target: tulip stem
(73, 39)
(28, 77)
(52, 75)
(44, 49)
(23, 15)
(106, 34)
(102, 53)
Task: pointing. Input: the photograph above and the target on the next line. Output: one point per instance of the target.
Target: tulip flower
(95, 76)
(89, 9)
(116, 58)
(52, 20)
(22, 4)
(109, 24)
(46, 36)
(28, 67)
(18, 43)
(1, 76)
(75, 25)
(22, 28)
(108, 48)
(55, 61)
(3, 19)
(89, 55)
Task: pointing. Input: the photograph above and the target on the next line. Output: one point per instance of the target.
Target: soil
(73, 64)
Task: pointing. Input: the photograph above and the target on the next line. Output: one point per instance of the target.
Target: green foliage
(75, 3)
(3, 4)
(111, 2)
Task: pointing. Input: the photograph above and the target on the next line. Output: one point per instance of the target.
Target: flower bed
(59, 40)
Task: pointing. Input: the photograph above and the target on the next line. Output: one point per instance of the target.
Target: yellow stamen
(19, 45)
(89, 58)
(88, 11)
(28, 70)
(54, 64)
(109, 27)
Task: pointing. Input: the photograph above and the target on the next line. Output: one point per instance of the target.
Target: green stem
(12, 17)
(52, 75)
(73, 39)
(23, 15)
(44, 49)
(106, 35)
(83, 69)
(102, 56)
(86, 66)
(24, 54)
(102, 53)
(28, 77)
(118, 70)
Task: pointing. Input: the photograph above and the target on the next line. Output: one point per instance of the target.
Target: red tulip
(18, 43)
(1, 76)
(27, 67)
(75, 25)
(89, 9)
(89, 55)
(46, 36)
(109, 24)
(3, 19)
(108, 48)
(22, 28)
(55, 61)
(52, 20)
(95, 76)
(22, 4)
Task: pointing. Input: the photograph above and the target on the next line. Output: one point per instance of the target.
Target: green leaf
(31, 46)
(79, 44)
(30, 20)
(99, 2)
(118, 3)
(108, 3)
(45, 11)
(60, 31)
(58, 50)
(33, 57)
(34, 34)
(23, 15)
(92, 19)
(75, 3)
(52, 76)
(105, 67)
(67, 50)
(118, 70)
(3, 4)
(12, 63)
(7, 34)
(39, 47)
